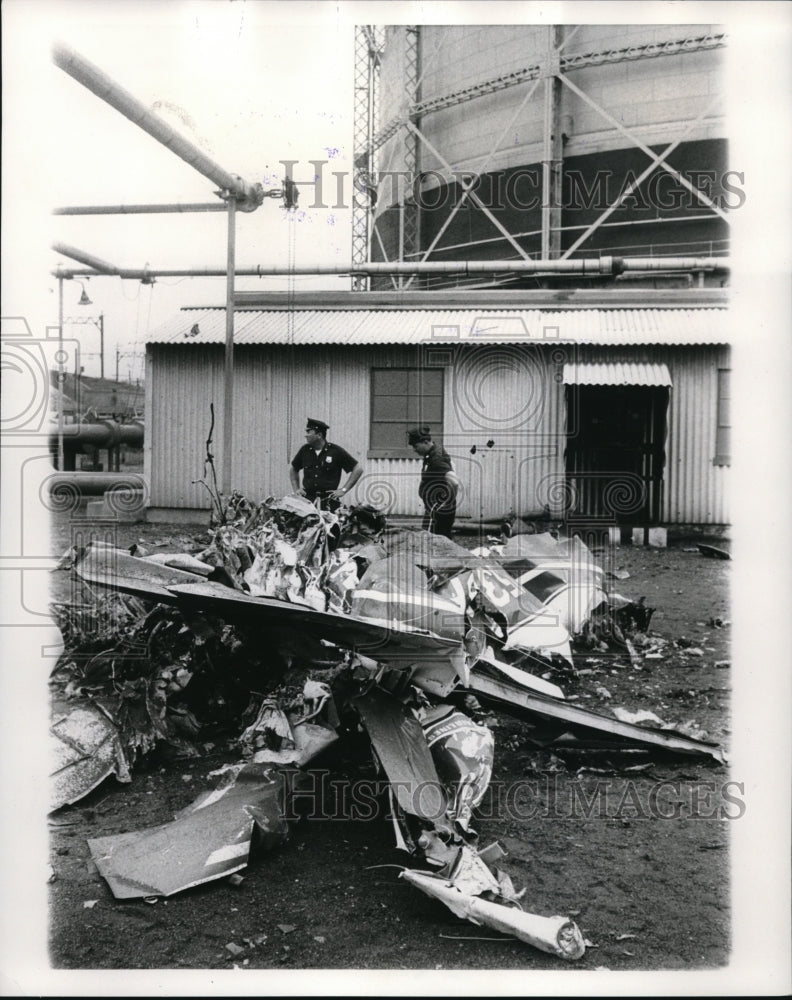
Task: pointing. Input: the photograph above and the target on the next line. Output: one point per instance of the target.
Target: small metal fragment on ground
(85, 749)
(713, 552)
(557, 935)
(462, 937)
(212, 838)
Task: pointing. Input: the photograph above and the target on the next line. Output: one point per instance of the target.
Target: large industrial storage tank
(485, 101)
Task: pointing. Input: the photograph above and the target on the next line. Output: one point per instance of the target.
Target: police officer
(321, 464)
(439, 484)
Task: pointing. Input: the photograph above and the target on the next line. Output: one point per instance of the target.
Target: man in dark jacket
(321, 464)
(439, 484)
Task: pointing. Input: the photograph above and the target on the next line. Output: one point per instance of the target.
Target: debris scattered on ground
(294, 626)
(85, 749)
(713, 552)
(210, 839)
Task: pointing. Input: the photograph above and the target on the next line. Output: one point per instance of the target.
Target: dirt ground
(638, 858)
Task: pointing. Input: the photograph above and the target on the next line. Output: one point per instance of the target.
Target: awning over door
(617, 373)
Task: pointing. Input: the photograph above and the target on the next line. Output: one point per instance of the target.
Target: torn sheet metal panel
(117, 569)
(401, 747)
(181, 560)
(396, 590)
(210, 839)
(489, 683)
(85, 749)
(521, 677)
(463, 752)
(376, 639)
(561, 573)
(558, 936)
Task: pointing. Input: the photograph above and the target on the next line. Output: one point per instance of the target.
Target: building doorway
(615, 452)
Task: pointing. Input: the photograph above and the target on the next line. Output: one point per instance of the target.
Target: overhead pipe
(106, 434)
(582, 266)
(247, 196)
(102, 266)
(198, 206)
(676, 263)
(81, 484)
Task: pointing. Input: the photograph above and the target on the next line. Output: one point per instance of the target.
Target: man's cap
(416, 434)
(316, 425)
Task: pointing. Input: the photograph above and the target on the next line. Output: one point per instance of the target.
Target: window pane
(403, 398)
(389, 381)
(425, 381)
(432, 412)
(391, 408)
(388, 436)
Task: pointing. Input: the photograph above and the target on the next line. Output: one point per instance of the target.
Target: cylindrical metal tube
(85, 258)
(198, 206)
(581, 266)
(107, 433)
(247, 196)
(93, 483)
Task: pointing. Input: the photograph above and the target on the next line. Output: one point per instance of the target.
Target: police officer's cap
(316, 425)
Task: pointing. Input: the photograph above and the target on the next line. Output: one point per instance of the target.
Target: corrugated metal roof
(623, 373)
(427, 326)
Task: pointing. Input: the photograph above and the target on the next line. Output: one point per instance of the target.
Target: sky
(250, 84)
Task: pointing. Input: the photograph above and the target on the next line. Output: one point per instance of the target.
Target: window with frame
(402, 398)
(723, 419)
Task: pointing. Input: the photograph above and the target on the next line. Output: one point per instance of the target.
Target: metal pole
(60, 368)
(117, 360)
(101, 344)
(228, 393)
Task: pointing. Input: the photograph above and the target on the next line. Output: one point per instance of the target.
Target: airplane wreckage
(296, 627)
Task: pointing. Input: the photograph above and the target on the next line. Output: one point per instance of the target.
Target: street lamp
(84, 300)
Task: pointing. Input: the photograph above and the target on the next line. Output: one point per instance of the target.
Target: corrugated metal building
(608, 405)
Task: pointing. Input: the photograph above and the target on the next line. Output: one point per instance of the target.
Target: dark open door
(615, 451)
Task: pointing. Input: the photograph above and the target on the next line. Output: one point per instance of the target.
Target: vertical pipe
(101, 345)
(401, 239)
(228, 389)
(60, 367)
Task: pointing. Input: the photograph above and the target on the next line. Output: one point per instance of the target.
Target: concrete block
(125, 509)
(614, 535)
(656, 538)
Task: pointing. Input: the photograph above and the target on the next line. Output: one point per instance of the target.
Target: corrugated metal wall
(504, 422)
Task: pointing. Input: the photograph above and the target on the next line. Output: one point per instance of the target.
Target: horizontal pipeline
(601, 266)
(198, 206)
